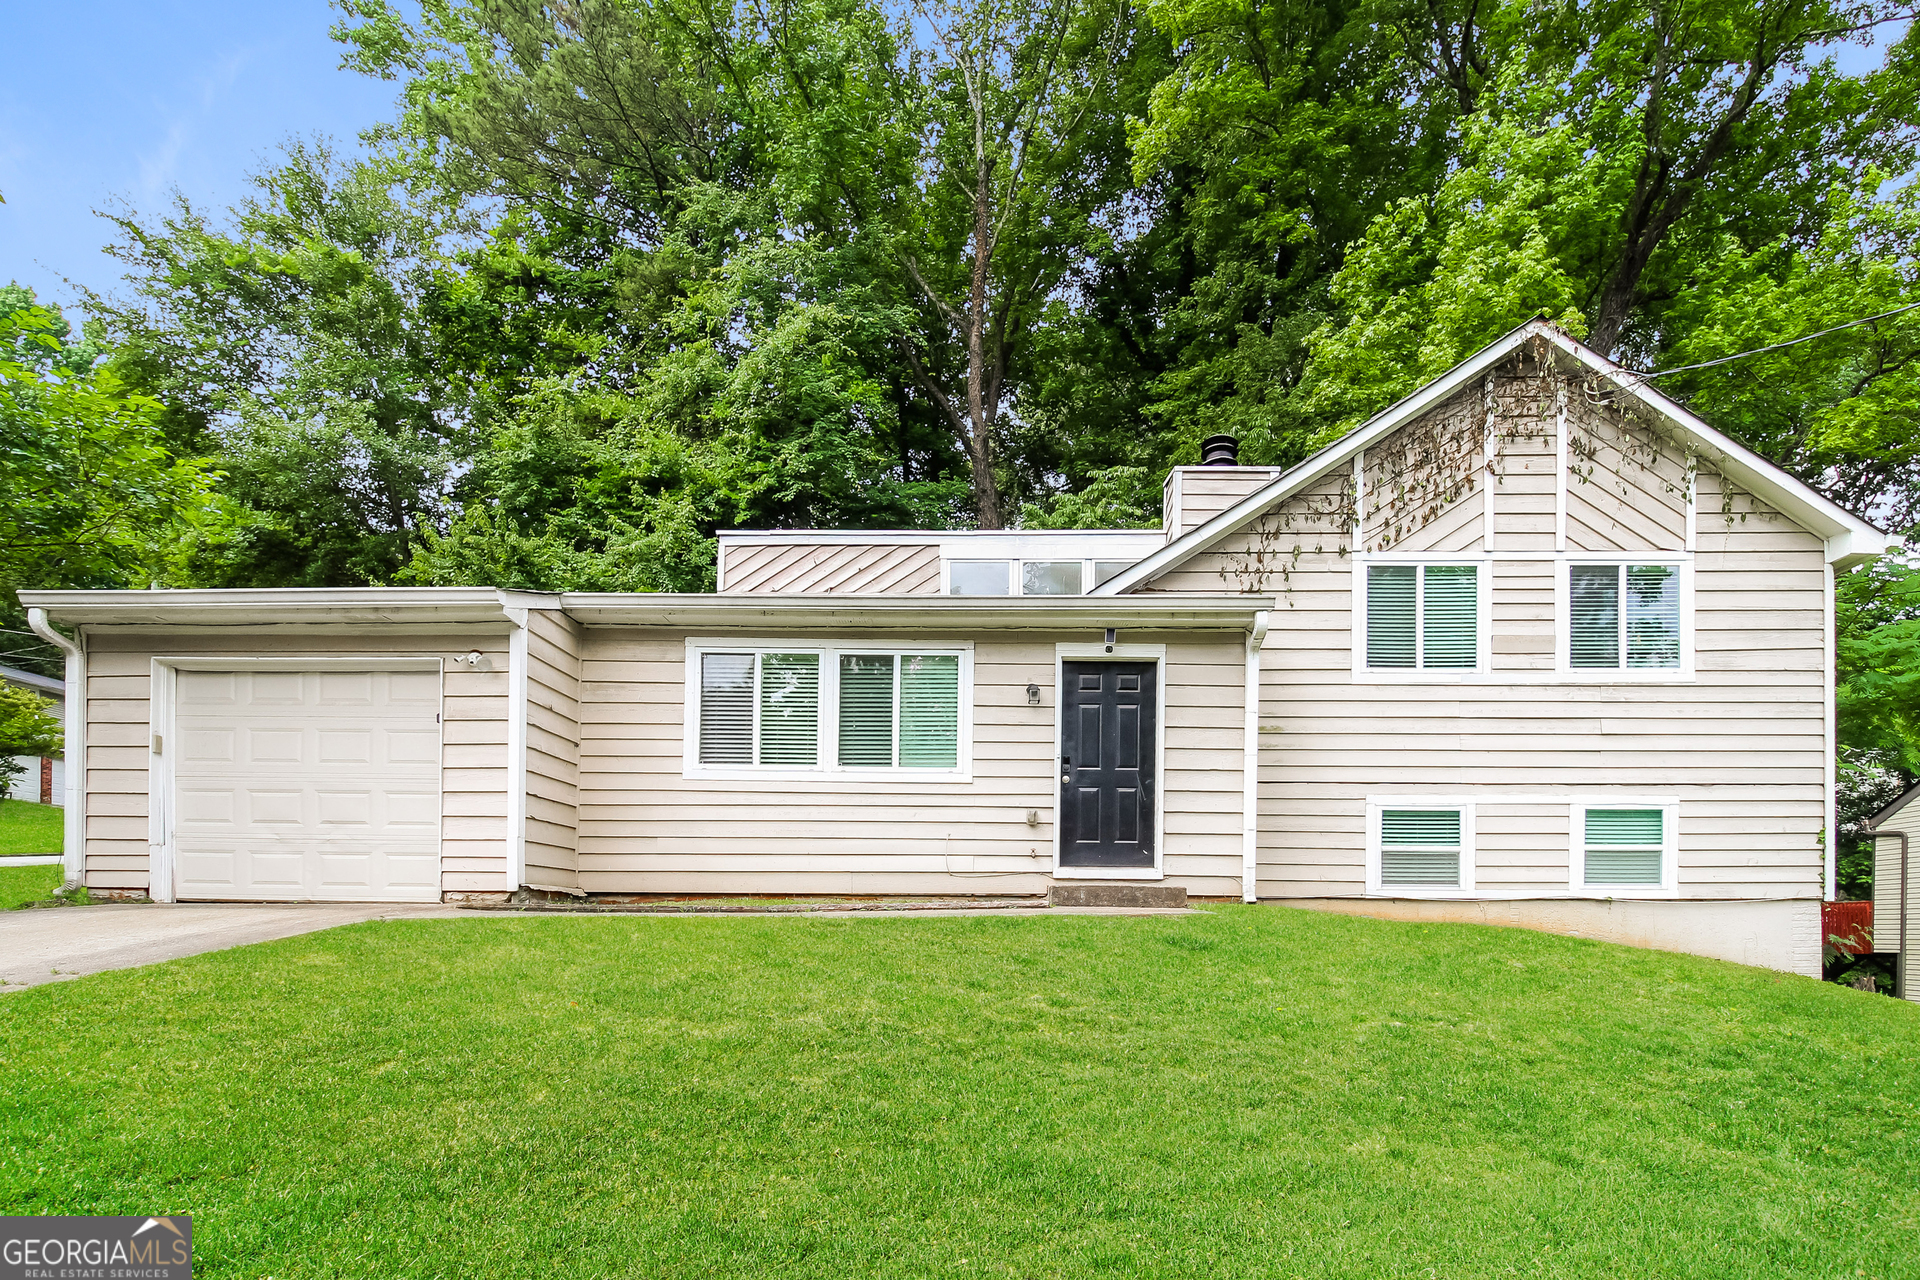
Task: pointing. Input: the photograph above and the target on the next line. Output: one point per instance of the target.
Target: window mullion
(1620, 611)
(897, 674)
(1419, 617)
(756, 706)
(829, 709)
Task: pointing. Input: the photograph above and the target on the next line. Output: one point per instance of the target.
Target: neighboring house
(1896, 868)
(42, 778)
(1534, 646)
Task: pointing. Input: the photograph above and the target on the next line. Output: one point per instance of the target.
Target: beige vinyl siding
(1621, 495)
(1524, 479)
(1520, 847)
(1194, 495)
(473, 753)
(646, 829)
(1741, 748)
(829, 568)
(553, 749)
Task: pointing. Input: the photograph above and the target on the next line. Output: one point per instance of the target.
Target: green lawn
(1252, 1092)
(27, 827)
(26, 884)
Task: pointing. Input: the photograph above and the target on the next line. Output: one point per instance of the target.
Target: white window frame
(828, 767)
(1669, 886)
(1622, 674)
(1156, 654)
(1483, 619)
(1376, 805)
(1016, 572)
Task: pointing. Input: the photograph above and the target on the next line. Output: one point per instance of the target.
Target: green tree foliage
(92, 490)
(28, 727)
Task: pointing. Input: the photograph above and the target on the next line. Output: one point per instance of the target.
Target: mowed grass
(27, 827)
(1250, 1092)
(26, 884)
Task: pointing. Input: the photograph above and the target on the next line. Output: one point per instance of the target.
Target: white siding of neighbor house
(829, 568)
(553, 749)
(1886, 886)
(473, 759)
(1742, 747)
(646, 829)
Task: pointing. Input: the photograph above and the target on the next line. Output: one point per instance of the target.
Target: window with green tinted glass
(1420, 848)
(1623, 616)
(1625, 847)
(771, 709)
(1423, 617)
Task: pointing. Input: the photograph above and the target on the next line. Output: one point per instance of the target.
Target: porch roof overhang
(369, 608)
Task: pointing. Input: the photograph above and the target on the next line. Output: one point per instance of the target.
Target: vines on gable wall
(1424, 470)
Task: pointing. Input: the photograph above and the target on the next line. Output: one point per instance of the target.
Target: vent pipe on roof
(1220, 451)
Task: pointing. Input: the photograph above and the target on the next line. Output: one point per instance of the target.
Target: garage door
(298, 785)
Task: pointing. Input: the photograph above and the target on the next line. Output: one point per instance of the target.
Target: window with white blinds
(1624, 847)
(1423, 617)
(1420, 848)
(826, 709)
(1623, 616)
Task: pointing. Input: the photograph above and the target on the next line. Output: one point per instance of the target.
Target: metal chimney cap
(1220, 451)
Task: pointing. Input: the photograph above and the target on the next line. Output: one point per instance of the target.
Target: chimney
(1194, 495)
(1220, 451)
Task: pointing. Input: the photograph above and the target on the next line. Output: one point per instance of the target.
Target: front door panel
(1107, 782)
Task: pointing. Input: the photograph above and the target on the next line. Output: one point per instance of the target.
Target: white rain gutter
(74, 845)
(1250, 767)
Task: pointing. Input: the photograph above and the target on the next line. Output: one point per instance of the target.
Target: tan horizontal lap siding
(1741, 748)
(553, 749)
(646, 829)
(474, 738)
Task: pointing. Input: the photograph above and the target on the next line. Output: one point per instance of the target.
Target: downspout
(74, 845)
(1250, 767)
(516, 751)
(1900, 965)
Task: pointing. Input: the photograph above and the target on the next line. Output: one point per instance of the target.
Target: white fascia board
(917, 537)
(335, 606)
(952, 613)
(1849, 539)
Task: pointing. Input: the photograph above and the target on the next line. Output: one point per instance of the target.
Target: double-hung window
(1419, 846)
(1624, 617)
(1423, 617)
(1624, 846)
(828, 709)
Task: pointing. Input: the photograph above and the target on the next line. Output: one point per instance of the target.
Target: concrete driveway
(54, 943)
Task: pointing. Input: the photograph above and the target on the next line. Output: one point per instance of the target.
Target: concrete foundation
(1773, 934)
(1116, 895)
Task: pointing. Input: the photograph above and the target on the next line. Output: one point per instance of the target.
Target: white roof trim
(369, 608)
(1849, 539)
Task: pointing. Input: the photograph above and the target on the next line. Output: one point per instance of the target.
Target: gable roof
(1906, 798)
(1849, 539)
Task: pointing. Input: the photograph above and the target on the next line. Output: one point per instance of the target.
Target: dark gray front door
(1106, 764)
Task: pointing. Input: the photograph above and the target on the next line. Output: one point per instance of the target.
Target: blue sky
(131, 99)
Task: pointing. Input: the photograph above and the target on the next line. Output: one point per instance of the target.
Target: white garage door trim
(162, 850)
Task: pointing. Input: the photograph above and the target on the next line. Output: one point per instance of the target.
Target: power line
(1760, 351)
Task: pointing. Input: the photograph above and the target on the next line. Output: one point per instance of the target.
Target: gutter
(1250, 767)
(75, 750)
(1900, 966)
